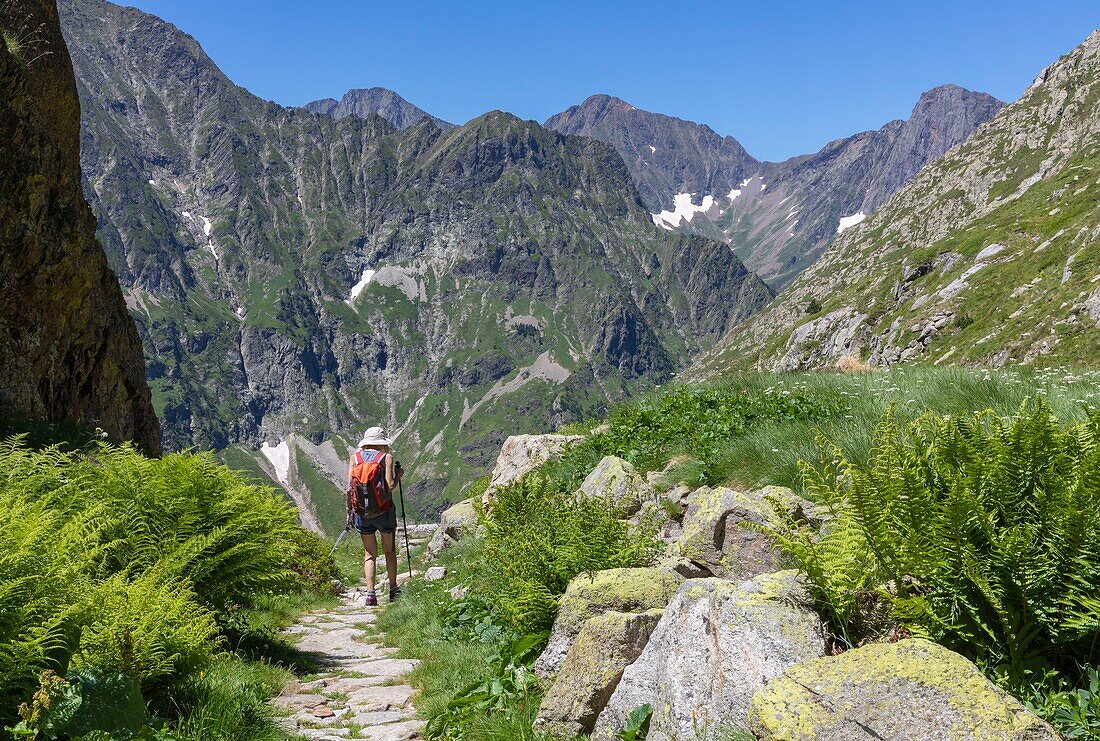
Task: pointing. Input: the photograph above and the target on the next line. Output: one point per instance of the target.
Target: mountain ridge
(988, 255)
(724, 193)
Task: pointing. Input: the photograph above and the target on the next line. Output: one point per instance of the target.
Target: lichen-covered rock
(716, 535)
(604, 647)
(588, 595)
(617, 481)
(894, 691)
(70, 350)
(717, 645)
(520, 455)
(455, 522)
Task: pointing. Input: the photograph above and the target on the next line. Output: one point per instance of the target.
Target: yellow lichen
(818, 695)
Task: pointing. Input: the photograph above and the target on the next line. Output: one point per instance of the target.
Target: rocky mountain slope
(376, 100)
(778, 217)
(294, 274)
(667, 156)
(991, 254)
(70, 351)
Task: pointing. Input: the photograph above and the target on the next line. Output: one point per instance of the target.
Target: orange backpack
(369, 495)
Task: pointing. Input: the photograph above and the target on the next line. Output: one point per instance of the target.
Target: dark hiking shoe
(395, 592)
(372, 599)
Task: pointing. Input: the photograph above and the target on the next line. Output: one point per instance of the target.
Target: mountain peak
(955, 95)
(363, 102)
(667, 156)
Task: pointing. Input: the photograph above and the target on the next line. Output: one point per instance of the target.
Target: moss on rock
(910, 689)
(617, 481)
(588, 595)
(604, 647)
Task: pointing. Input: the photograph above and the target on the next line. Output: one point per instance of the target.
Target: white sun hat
(374, 436)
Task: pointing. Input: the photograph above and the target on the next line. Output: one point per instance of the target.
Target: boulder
(716, 535)
(588, 595)
(653, 515)
(435, 573)
(521, 454)
(616, 480)
(455, 522)
(895, 691)
(717, 645)
(604, 647)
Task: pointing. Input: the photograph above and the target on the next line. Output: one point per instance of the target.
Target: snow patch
(279, 457)
(213, 251)
(363, 283)
(733, 194)
(684, 210)
(652, 149)
(794, 212)
(660, 222)
(762, 186)
(847, 222)
(153, 182)
(185, 214)
(207, 227)
(746, 181)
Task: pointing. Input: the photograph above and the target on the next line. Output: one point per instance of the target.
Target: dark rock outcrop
(68, 346)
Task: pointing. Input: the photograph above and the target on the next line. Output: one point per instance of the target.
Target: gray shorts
(383, 523)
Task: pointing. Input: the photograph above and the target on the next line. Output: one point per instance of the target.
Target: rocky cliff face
(296, 274)
(70, 350)
(376, 100)
(778, 217)
(988, 255)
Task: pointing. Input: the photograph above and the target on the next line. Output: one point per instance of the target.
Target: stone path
(359, 692)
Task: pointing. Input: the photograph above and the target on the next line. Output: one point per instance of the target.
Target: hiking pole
(405, 526)
(339, 538)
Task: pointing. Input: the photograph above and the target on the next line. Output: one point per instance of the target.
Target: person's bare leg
(391, 558)
(370, 557)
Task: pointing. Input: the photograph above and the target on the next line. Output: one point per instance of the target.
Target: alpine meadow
(327, 415)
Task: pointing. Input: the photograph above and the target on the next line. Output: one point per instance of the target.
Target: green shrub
(981, 533)
(539, 535)
(312, 561)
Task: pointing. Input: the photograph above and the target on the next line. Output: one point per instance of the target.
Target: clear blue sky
(781, 77)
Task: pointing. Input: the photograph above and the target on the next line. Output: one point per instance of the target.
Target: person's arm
(392, 475)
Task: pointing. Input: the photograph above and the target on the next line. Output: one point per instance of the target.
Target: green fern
(114, 561)
(982, 533)
(539, 535)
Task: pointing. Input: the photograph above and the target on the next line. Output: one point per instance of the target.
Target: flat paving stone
(299, 701)
(403, 731)
(387, 697)
(389, 668)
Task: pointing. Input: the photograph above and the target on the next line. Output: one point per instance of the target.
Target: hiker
(372, 476)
